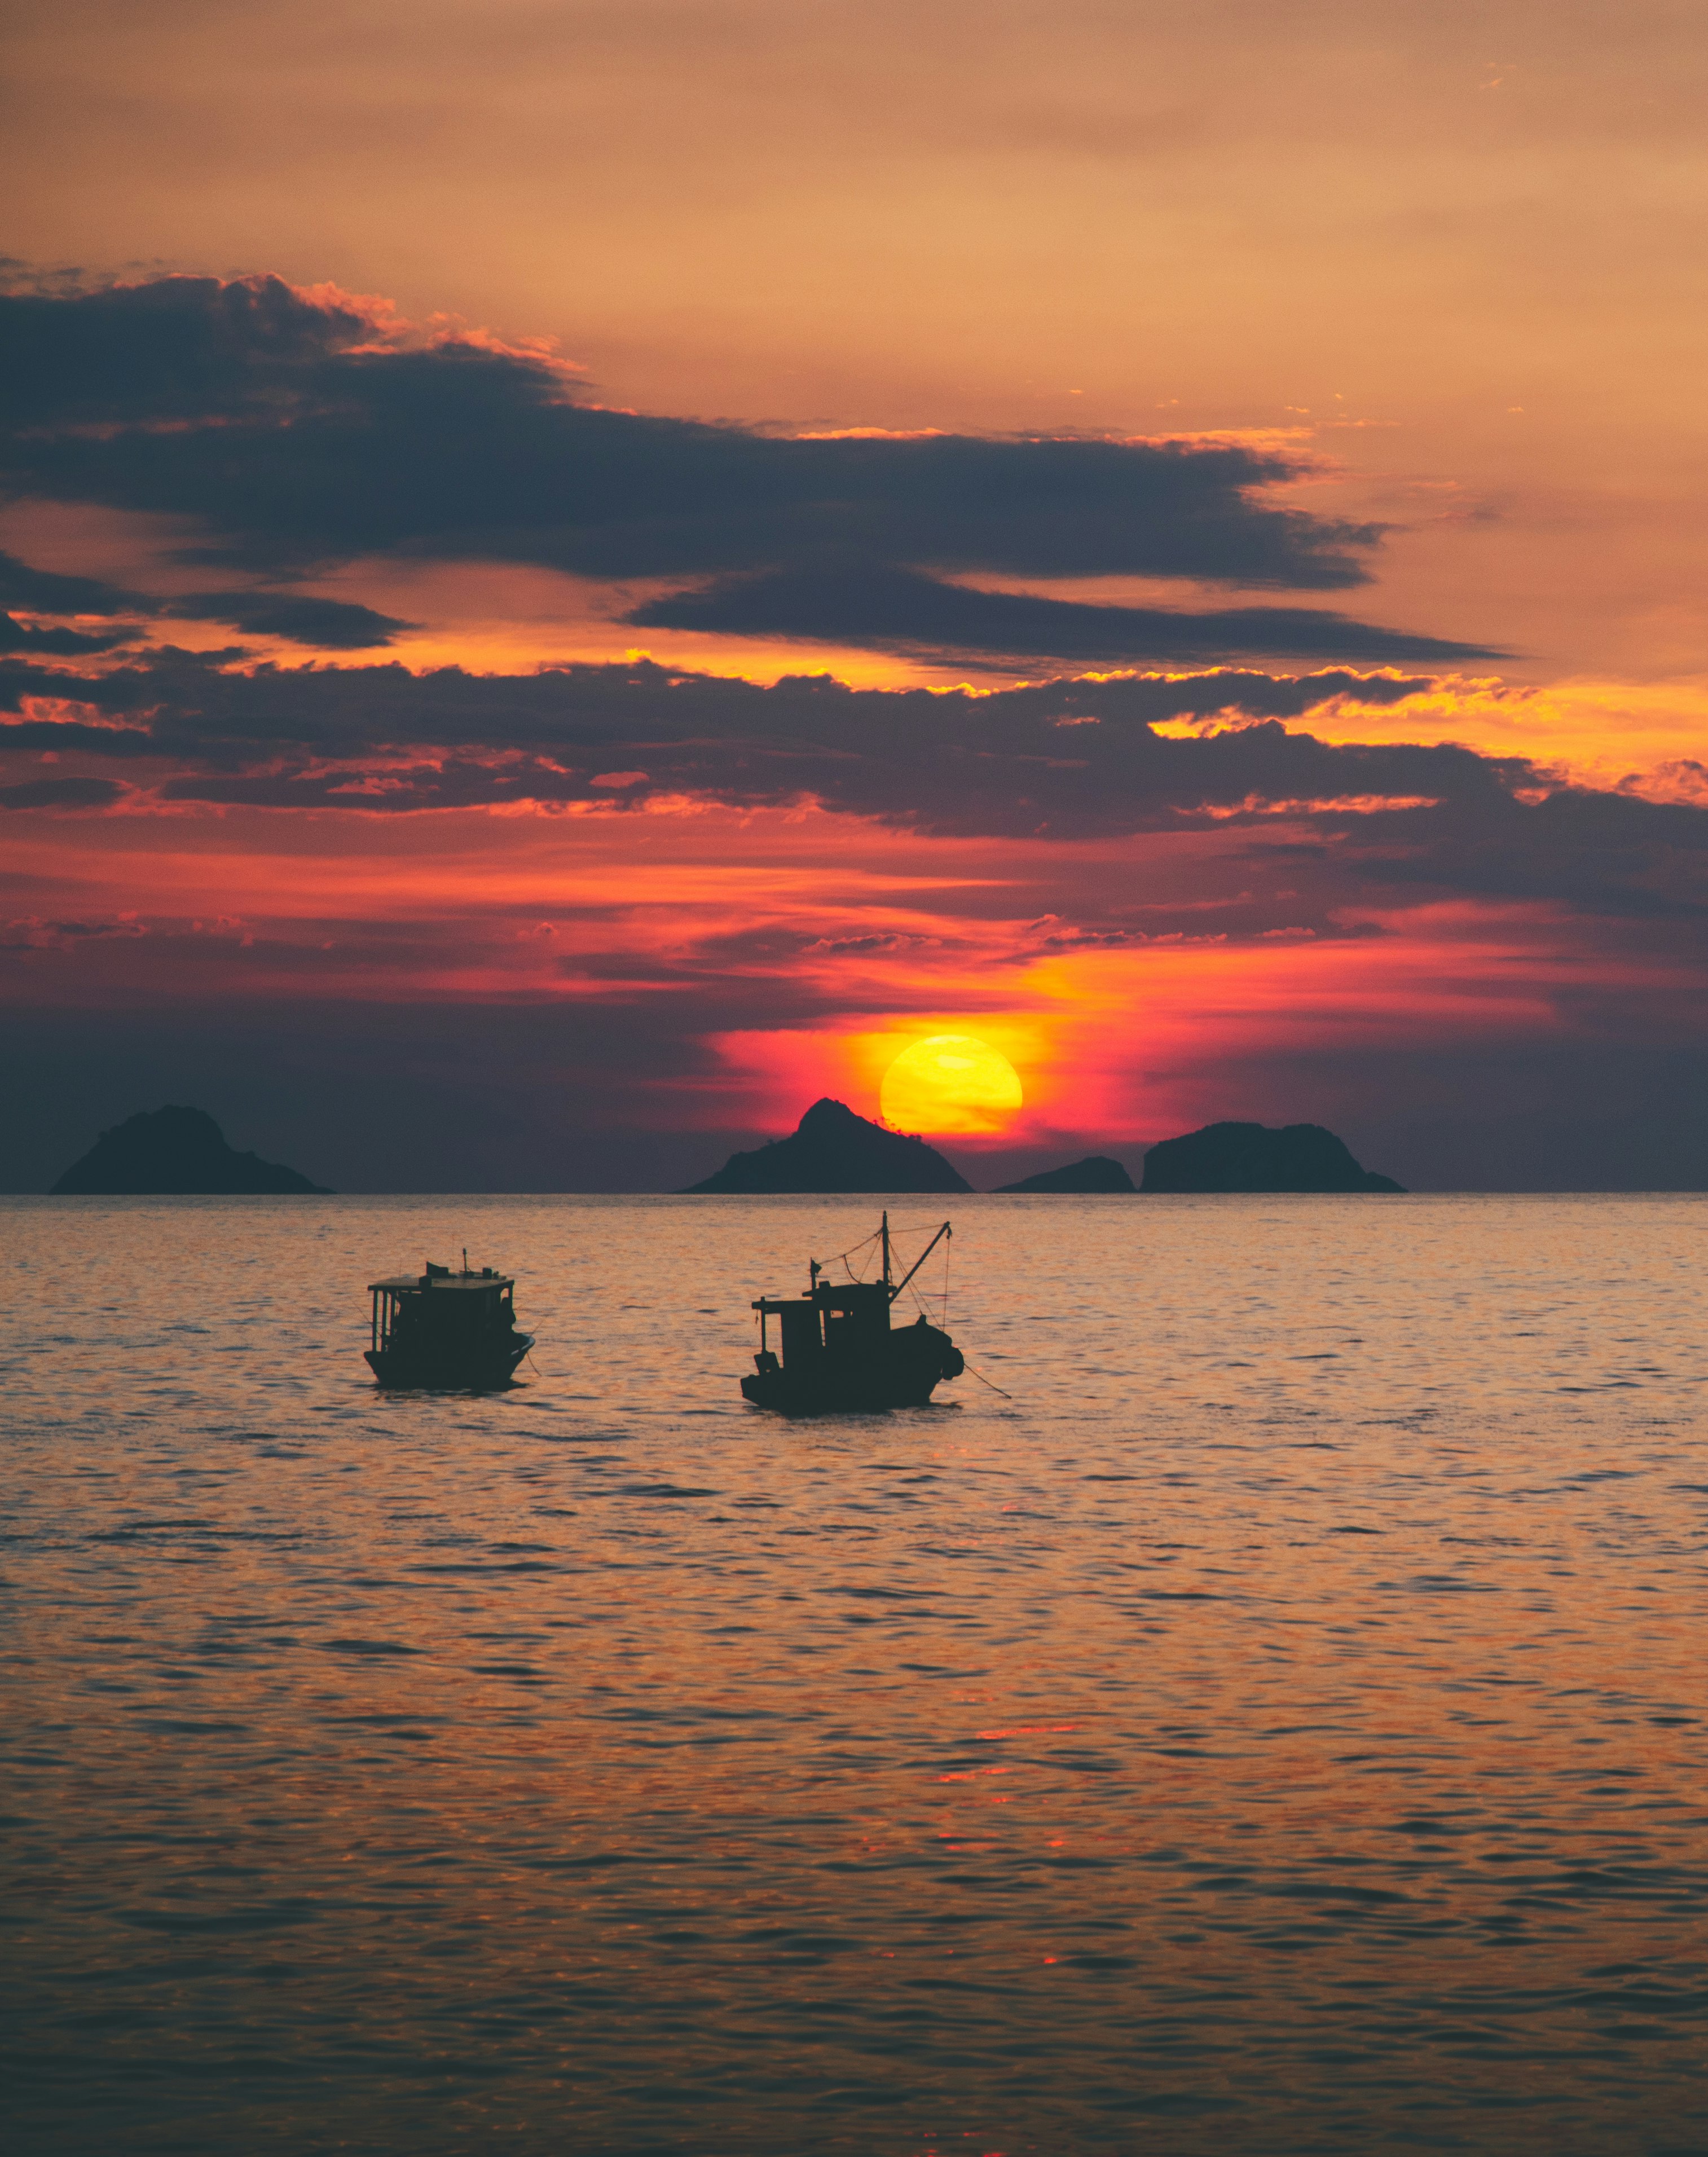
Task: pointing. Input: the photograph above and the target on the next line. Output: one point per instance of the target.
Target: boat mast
(945, 1230)
(884, 1232)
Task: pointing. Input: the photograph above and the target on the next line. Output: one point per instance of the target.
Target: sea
(1258, 1708)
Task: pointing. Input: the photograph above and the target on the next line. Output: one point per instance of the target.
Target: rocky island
(1094, 1176)
(833, 1150)
(175, 1152)
(1252, 1157)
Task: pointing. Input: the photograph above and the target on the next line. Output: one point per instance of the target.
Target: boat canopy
(439, 1280)
(440, 1306)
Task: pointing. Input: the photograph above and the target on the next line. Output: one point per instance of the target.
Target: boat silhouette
(445, 1329)
(840, 1349)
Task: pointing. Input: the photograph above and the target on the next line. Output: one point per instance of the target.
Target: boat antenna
(465, 1261)
(884, 1233)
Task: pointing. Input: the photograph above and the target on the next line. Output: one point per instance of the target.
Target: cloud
(294, 617)
(1071, 756)
(34, 933)
(16, 636)
(44, 591)
(898, 610)
(1601, 853)
(60, 793)
(302, 431)
(1069, 759)
(176, 349)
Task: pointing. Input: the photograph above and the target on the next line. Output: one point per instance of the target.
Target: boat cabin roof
(845, 1296)
(469, 1284)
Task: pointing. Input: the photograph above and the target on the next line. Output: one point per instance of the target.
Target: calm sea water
(1278, 1728)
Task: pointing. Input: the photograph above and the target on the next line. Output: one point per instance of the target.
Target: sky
(581, 576)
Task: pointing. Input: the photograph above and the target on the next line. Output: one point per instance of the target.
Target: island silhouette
(175, 1152)
(1252, 1157)
(833, 1150)
(1094, 1176)
(180, 1152)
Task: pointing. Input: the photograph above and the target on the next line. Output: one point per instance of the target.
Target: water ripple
(1278, 1728)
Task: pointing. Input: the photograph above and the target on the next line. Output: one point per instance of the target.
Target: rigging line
(923, 1308)
(919, 1294)
(983, 1381)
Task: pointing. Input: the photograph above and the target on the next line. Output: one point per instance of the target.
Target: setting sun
(950, 1081)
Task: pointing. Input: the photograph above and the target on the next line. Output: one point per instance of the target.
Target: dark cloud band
(293, 617)
(299, 434)
(900, 610)
(1068, 759)
(1071, 755)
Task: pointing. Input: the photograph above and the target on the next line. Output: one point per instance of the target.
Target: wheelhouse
(837, 1321)
(440, 1305)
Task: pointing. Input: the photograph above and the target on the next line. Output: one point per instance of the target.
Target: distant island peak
(1252, 1157)
(1095, 1177)
(176, 1152)
(831, 1150)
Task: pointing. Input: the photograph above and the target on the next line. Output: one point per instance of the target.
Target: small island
(833, 1151)
(1095, 1177)
(1252, 1157)
(176, 1152)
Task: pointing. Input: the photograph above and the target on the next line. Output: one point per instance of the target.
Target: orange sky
(1452, 244)
(1442, 260)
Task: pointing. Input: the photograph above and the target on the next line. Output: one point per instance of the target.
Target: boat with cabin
(439, 1328)
(841, 1349)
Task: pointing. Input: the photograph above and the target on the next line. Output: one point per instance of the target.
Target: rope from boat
(983, 1381)
(843, 1257)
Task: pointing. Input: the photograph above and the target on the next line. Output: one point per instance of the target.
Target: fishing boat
(445, 1329)
(840, 1347)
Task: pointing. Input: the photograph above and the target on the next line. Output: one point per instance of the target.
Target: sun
(950, 1081)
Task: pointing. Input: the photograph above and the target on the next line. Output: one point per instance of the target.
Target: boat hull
(449, 1369)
